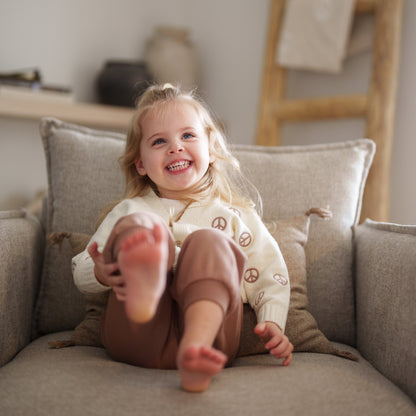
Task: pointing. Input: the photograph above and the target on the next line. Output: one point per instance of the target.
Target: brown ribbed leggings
(209, 267)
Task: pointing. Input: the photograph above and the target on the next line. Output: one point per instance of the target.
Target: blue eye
(158, 141)
(188, 135)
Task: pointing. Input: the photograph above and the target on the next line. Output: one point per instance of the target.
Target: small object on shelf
(170, 56)
(43, 93)
(30, 78)
(122, 82)
(27, 85)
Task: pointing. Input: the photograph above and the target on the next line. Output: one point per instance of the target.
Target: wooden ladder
(377, 106)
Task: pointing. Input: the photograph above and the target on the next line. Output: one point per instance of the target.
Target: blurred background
(72, 41)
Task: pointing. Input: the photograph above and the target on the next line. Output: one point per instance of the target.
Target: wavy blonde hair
(223, 178)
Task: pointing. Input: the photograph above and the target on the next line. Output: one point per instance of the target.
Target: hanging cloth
(314, 34)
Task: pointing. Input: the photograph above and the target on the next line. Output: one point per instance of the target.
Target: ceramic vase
(122, 82)
(170, 57)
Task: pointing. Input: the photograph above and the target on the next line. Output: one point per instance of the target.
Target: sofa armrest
(21, 253)
(385, 296)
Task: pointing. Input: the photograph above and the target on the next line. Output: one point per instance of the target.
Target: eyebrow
(154, 136)
(162, 134)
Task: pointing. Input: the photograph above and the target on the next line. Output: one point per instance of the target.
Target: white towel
(314, 34)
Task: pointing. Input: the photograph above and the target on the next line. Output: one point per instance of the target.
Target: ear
(140, 168)
(212, 154)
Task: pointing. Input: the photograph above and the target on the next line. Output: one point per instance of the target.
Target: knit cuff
(273, 313)
(84, 277)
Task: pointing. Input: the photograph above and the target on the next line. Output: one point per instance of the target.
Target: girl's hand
(106, 273)
(275, 341)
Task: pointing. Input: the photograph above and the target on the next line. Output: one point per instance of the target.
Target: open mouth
(177, 166)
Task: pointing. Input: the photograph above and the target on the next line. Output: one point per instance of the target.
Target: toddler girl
(183, 250)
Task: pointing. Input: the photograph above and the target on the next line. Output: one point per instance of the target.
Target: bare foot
(143, 261)
(198, 365)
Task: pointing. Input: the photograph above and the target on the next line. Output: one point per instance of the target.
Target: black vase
(122, 82)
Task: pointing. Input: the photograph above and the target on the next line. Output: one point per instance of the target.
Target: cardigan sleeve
(266, 280)
(83, 265)
(83, 273)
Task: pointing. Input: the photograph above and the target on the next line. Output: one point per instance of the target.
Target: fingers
(276, 342)
(110, 269)
(273, 342)
(288, 360)
(117, 281)
(96, 256)
(106, 273)
(283, 350)
(120, 292)
(98, 259)
(259, 328)
(93, 251)
(268, 331)
(262, 331)
(109, 275)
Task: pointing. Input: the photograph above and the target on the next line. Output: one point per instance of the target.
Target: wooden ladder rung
(377, 106)
(366, 6)
(348, 106)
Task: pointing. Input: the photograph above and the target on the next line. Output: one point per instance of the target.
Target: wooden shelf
(93, 115)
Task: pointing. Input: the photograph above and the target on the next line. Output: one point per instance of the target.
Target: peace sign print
(281, 279)
(251, 275)
(245, 239)
(259, 298)
(219, 223)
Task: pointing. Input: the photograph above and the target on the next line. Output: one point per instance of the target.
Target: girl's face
(174, 151)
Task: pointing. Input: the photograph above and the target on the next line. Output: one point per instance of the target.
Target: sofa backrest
(84, 177)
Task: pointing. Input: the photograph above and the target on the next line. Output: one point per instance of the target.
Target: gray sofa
(360, 282)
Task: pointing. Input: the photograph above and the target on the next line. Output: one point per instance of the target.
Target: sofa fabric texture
(18, 279)
(360, 290)
(388, 298)
(85, 381)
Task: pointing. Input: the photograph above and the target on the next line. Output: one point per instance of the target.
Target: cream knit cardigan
(266, 283)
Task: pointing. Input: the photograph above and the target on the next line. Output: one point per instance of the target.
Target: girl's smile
(174, 151)
(179, 166)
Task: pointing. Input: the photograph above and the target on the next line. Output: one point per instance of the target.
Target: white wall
(403, 191)
(70, 40)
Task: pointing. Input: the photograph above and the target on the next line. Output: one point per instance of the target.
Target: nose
(175, 147)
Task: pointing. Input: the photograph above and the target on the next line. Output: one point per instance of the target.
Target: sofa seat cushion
(84, 380)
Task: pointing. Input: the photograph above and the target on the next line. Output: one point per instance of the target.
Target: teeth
(178, 166)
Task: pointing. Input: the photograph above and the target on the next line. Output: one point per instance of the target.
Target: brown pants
(210, 266)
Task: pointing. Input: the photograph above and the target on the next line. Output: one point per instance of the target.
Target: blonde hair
(223, 178)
